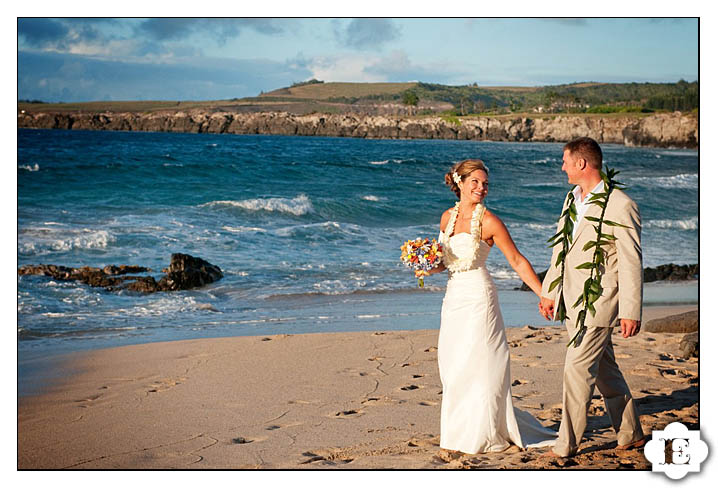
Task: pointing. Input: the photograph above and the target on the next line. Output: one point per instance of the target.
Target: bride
(477, 413)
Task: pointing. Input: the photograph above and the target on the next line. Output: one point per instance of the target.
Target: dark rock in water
(678, 323)
(143, 284)
(184, 272)
(670, 272)
(689, 345)
(525, 287)
(124, 269)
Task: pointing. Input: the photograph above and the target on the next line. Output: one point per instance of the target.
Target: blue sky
(202, 59)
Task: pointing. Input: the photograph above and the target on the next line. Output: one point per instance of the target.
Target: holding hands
(629, 327)
(546, 308)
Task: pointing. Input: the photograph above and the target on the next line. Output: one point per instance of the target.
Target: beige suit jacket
(622, 276)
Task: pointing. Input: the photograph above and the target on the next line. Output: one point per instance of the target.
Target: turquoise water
(307, 230)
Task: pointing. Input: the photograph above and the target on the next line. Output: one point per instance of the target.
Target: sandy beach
(361, 400)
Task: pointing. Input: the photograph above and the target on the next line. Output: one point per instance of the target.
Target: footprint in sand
(87, 402)
(349, 413)
(520, 382)
(430, 349)
(428, 403)
(302, 401)
(417, 376)
(240, 440)
(165, 384)
(428, 441)
(325, 457)
(380, 401)
(676, 375)
(90, 398)
(410, 387)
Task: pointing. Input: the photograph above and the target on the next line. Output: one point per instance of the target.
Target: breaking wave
(299, 206)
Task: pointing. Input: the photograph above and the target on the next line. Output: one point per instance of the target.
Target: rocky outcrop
(670, 272)
(678, 323)
(188, 272)
(662, 130)
(184, 272)
(689, 345)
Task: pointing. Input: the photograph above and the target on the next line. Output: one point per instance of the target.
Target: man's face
(571, 166)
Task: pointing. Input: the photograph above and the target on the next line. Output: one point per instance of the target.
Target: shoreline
(38, 369)
(670, 130)
(319, 400)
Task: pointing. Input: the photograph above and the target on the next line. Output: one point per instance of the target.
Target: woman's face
(475, 186)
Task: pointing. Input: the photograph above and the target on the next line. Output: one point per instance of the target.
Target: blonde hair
(463, 169)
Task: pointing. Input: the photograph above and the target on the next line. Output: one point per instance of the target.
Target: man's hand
(630, 327)
(546, 308)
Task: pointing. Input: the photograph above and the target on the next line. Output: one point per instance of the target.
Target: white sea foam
(382, 162)
(54, 314)
(44, 240)
(160, 307)
(298, 206)
(327, 226)
(687, 224)
(679, 153)
(683, 180)
(504, 274)
(532, 225)
(243, 229)
(372, 198)
(35, 167)
(557, 183)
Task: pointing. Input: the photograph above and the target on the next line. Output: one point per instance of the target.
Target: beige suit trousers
(590, 364)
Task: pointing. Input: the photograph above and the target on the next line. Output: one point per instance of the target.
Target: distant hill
(589, 97)
(318, 90)
(418, 98)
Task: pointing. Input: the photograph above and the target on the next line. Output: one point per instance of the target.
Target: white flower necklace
(453, 262)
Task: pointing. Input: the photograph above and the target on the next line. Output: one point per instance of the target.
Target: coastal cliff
(658, 130)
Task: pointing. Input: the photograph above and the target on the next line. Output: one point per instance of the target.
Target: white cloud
(344, 68)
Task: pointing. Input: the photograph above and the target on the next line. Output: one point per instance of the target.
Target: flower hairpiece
(456, 177)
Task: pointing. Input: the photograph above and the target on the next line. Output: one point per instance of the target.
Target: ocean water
(306, 230)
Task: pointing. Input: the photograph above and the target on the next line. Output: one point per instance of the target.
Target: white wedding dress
(477, 413)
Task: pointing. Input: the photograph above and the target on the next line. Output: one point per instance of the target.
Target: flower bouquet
(421, 254)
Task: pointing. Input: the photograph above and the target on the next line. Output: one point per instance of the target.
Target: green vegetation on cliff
(572, 98)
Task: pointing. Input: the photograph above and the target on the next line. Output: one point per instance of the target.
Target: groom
(592, 361)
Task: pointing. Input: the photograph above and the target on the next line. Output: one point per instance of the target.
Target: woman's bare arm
(493, 228)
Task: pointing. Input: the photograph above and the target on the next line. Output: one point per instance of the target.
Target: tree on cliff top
(410, 98)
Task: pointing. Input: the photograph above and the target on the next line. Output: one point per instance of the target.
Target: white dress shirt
(582, 205)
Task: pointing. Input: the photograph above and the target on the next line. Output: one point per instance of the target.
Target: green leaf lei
(592, 289)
